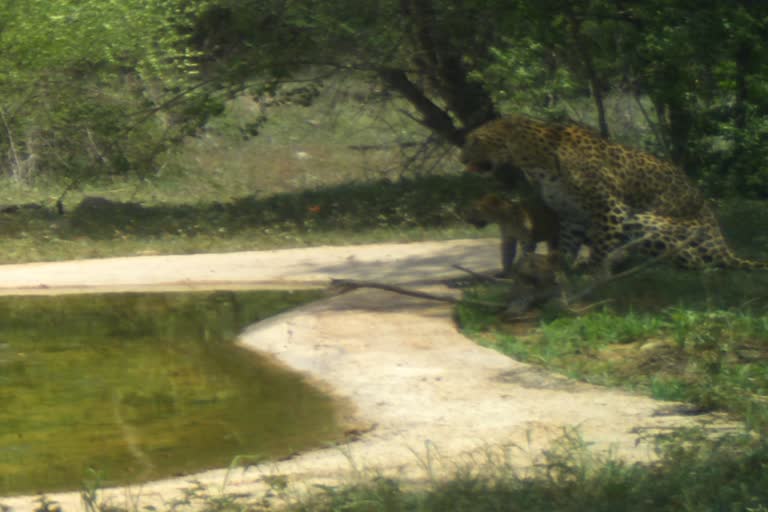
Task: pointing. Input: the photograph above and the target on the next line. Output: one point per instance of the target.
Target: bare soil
(418, 399)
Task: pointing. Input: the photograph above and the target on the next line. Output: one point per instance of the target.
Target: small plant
(694, 472)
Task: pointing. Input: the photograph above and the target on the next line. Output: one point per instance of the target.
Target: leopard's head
(504, 141)
(492, 209)
(479, 148)
(486, 210)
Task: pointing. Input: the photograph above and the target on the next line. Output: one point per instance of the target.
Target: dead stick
(633, 270)
(484, 277)
(346, 285)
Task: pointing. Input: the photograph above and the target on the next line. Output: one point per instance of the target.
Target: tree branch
(347, 285)
(433, 117)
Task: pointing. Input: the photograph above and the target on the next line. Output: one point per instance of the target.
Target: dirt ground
(418, 398)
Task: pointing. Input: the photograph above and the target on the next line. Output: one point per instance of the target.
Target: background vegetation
(99, 88)
(147, 126)
(197, 112)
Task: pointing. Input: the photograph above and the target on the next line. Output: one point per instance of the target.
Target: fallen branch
(522, 302)
(620, 251)
(347, 285)
(483, 276)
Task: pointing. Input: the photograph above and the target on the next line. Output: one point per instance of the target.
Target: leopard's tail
(735, 262)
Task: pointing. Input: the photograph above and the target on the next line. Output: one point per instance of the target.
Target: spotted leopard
(607, 193)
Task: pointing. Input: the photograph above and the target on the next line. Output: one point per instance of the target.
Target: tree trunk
(679, 131)
(432, 116)
(595, 85)
(439, 60)
(744, 59)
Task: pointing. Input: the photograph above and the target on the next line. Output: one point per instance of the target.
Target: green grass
(701, 338)
(409, 209)
(693, 473)
(698, 338)
(714, 360)
(314, 175)
(711, 476)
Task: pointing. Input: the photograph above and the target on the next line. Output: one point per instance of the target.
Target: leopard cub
(529, 235)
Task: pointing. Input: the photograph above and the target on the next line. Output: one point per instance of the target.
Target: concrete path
(288, 268)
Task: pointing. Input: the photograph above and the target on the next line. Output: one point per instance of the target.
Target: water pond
(133, 387)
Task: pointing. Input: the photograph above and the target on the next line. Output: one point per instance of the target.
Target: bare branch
(347, 285)
(483, 276)
(608, 277)
(433, 117)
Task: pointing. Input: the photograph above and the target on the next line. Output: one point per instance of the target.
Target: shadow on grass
(429, 202)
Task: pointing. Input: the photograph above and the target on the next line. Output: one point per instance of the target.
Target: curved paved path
(287, 268)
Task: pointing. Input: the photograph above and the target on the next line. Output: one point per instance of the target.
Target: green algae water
(133, 387)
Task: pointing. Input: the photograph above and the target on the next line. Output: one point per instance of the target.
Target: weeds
(700, 337)
(694, 473)
(695, 337)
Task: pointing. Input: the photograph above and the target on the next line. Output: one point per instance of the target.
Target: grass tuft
(694, 473)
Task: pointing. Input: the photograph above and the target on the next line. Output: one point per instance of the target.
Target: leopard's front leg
(599, 196)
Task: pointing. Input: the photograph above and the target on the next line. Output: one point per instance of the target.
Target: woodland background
(102, 88)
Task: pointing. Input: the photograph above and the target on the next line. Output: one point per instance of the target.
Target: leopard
(529, 235)
(608, 196)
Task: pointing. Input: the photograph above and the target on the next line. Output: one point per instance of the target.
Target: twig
(348, 285)
(483, 276)
(587, 308)
(536, 296)
(633, 270)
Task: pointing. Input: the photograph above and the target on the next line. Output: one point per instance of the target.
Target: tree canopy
(122, 81)
(78, 79)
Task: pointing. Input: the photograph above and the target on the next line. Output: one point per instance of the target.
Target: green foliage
(701, 68)
(733, 158)
(81, 82)
(93, 88)
(521, 75)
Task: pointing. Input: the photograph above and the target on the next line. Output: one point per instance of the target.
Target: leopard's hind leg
(688, 243)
